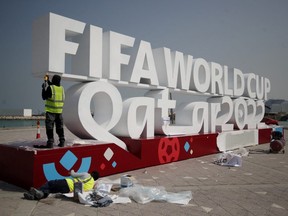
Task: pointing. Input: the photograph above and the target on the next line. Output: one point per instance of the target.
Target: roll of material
(126, 181)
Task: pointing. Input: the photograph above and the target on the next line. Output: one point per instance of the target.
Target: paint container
(166, 121)
(78, 188)
(126, 181)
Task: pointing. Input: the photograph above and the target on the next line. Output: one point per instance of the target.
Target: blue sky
(251, 35)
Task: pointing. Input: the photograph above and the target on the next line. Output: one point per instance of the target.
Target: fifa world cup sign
(100, 62)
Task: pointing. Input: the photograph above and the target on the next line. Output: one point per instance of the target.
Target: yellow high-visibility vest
(88, 183)
(56, 102)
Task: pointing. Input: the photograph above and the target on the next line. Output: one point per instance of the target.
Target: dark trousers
(51, 119)
(55, 186)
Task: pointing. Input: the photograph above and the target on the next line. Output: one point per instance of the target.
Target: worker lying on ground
(63, 185)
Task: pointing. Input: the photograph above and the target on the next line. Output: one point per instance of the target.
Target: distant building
(276, 106)
(16, 112)
(285, 107)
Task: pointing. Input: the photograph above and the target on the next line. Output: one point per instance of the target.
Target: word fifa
(102, 61)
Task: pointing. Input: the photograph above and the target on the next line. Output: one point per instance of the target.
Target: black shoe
(43, 146)
(29, 196)
(61, 144)
(36, 193)
(48, 145)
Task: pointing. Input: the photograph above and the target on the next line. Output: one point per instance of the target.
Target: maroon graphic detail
(168, 150)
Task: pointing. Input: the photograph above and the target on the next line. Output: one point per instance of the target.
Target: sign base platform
(28, 166)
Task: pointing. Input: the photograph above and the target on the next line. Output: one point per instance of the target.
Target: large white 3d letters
(107, 109)
(102, 61)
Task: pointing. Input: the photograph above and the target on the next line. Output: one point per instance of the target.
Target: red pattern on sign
(168, 150)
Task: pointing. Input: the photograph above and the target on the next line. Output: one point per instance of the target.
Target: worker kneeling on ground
(63, 185)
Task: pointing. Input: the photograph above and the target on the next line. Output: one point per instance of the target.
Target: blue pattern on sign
(187, 146)
(68, 160)
(114, 164)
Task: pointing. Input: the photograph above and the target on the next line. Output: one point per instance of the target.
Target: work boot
(29, 196)
(60, 132)
(50, 140)
(48, 145)
(61, 144)
(50, 137)
(36, 193)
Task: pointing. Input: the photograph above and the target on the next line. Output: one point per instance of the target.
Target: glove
(45, 85)
(46, 82)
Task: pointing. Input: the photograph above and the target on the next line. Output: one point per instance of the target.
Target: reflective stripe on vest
(56, 102)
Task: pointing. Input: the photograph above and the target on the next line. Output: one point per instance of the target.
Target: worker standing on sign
(54, 95)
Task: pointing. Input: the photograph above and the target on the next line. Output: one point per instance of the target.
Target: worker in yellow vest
(63, 185)
(54, 95)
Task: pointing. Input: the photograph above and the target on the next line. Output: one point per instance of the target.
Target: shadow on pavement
(9, 187)
(259, 151)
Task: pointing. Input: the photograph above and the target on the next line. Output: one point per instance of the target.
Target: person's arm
(46, 92)
(82, 175)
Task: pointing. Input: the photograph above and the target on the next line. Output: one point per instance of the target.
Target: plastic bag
(229, 159)
(104, 189)
(143, 194)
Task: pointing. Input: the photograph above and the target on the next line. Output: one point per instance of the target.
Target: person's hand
(45, 85)
(72, 172)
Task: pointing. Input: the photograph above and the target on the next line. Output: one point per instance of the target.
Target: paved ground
(259, 187)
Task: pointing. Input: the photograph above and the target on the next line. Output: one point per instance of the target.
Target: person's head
(95, 175)
(56, 79)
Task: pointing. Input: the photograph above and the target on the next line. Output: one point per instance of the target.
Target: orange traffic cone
(38, 130)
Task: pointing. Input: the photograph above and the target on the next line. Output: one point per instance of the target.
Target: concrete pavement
(258, 187)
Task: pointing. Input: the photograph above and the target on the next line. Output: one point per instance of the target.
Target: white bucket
(126, 181)
(166, 121)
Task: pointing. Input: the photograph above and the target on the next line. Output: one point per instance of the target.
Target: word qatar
(143, 116)
(115, 58)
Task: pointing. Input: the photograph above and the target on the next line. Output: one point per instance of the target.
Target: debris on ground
(143, 194)
(232, 158)
(125, 189)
